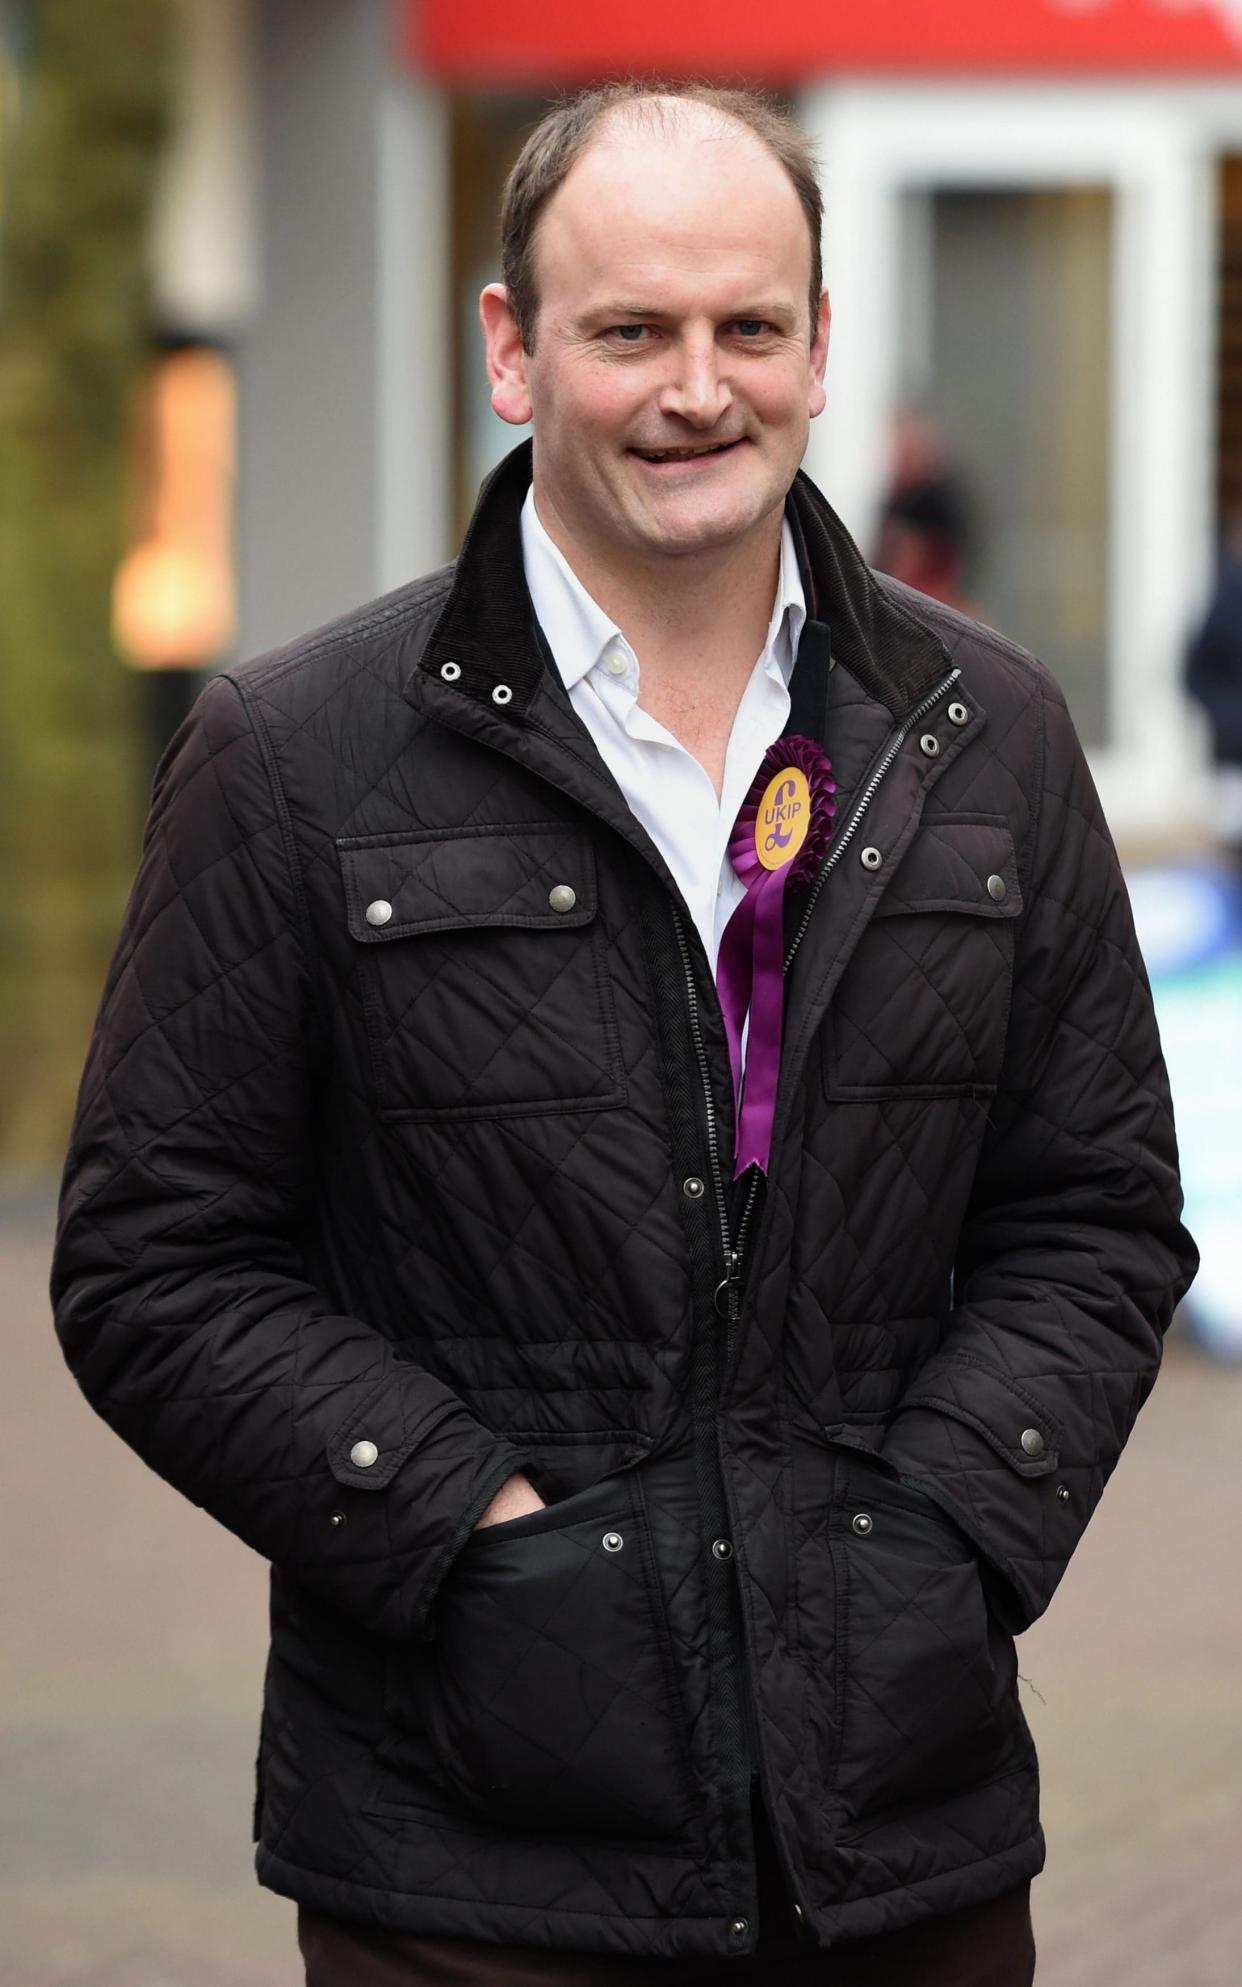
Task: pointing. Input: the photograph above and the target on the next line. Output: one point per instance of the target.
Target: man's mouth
(685, 454)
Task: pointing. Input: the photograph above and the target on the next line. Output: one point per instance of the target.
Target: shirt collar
(579, 632)
(788, 611)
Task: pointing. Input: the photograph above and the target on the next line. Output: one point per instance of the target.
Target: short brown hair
(559, 140)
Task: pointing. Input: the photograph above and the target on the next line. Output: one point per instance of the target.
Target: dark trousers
(985, 1945)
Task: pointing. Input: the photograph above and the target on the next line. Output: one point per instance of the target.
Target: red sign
(554, 41)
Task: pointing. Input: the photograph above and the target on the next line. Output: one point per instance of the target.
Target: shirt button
(363, 1455)
(616, 665)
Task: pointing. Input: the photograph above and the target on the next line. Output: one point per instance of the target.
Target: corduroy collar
(487, 629)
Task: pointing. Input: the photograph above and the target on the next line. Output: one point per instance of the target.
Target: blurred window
(1006, 338)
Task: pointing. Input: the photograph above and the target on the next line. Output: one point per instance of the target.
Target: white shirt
(666, 787)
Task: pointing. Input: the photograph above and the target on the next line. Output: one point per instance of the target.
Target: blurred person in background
(625, 1150)
(1214, 679)
(924, 534)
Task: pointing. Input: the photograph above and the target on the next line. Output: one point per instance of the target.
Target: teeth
(681, 454)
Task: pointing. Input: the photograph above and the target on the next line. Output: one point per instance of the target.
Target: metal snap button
(930, 744)
(379, 912)
(722, 1549)
(996, 887)
(871, 858)
(798, 1914)
(562, 897)
(502, 694)
(1032, 1442)
(861, 1524)
(958, 714)
(693, 1188)
(450, 671)
(363, 1454)
(1062, 1494)
(612, 1541)
(739, 1927)
(337, 1520)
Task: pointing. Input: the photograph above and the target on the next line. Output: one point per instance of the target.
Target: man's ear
(506, 359)
(819, 354)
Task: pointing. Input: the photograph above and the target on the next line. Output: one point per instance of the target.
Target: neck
(672, 611)
(697, 625)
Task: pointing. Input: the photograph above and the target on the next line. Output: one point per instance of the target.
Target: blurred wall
(344, 454)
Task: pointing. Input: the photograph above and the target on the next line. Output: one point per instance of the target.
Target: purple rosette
(778, 842)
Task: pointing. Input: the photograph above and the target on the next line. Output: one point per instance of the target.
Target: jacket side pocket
(551, 1704)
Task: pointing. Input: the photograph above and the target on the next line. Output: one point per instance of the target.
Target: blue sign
(1189, 921)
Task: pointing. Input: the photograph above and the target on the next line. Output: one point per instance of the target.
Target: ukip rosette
(778, 842)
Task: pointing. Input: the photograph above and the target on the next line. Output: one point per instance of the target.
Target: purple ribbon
(778, 842)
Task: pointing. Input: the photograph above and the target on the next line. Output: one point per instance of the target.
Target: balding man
(626, 1152)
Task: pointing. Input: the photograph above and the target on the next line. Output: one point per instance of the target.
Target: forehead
(697, 194)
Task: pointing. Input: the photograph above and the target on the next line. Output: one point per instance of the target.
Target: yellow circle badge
(783, 819)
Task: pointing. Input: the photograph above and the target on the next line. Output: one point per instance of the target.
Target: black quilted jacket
(391, 1174)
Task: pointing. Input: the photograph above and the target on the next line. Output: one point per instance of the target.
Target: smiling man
(626, 1151)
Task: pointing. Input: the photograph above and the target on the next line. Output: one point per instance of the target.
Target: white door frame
(1154, 150)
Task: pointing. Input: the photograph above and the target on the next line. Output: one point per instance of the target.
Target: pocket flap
(1009, 1415)
(371, 1447)
(535, 876)
(966, 863)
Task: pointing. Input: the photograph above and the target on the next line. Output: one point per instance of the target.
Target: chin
(712, 529)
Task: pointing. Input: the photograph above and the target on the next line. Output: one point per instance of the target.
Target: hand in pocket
(550, 1705)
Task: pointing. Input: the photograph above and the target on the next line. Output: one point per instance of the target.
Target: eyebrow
(780, 313)
(607, 312)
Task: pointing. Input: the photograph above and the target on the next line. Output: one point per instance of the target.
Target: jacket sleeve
(180, 1293)
(1072, 1255)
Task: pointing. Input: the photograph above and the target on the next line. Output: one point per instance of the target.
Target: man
(647, 1544)
(1214, 679)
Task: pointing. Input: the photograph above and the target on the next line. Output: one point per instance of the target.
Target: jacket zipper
(888, 753)
(727, 1295)
(733, 1251)
(709, 1099)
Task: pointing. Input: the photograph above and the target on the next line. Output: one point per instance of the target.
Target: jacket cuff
(984, 1449)
(399, 1499)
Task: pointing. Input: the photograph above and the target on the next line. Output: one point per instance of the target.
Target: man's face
(674, 373)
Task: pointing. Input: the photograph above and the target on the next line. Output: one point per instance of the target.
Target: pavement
(132, 1657)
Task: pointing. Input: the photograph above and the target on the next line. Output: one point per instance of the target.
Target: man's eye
(629, 334)
(750, 327)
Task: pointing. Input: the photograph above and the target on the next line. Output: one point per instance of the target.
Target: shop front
(1030, 214)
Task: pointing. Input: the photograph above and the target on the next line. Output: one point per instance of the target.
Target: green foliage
(78, 173)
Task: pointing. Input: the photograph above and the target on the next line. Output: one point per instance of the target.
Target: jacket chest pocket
(482, 971)
(923, 1006)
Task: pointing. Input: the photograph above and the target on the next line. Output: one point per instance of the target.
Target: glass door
(1004, 321)
(1028, 272)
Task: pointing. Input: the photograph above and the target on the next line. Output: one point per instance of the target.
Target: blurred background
(241, 391)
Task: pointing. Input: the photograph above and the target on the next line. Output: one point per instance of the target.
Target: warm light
(169, 608)
(172, 600)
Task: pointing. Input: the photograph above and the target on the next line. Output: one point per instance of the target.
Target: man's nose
(698, 390)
